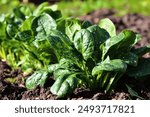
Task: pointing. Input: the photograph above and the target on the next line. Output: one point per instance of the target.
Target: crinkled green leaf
(25, 36)
(111, 42)
(64, 85)
(85, 24)
(68, 64)
(62, 46)
(108, 25)
(64, 38)
(58, 72)
(72, 26)
(11, 30)
(65, 66)
(142, 71)
(42, 26)
(19, 13)
(46, 8)
(130, 38)
(68, 26)
(38, 10)
(115, 65)
(26, 25)
(100, 35)
(52, 67)
(119, 44)
(84, 43)
(37, 79)
(61, 49)
(54, 14)
(130, 58)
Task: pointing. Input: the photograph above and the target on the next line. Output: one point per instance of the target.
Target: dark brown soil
(17, 90)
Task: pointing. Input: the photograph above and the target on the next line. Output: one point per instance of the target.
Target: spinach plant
(18, 45)
(91, 56)
(77, 53)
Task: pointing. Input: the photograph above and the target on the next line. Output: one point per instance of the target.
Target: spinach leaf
(108, 72)
(129, 58)
(141, 71)
(84, 43)
(37, 79)
(119, 44)
(42, 25)
(11, 30)
(38, 10)
(53, 67)
(109, 43)
(71, 27)
(63, 47)
(133, 93)
(64, 85)
(85, 24)
(115, 65)
(100, 35)
(26, 25)
(25, 36)
(108, 25)
(130, 38)
(66, 66)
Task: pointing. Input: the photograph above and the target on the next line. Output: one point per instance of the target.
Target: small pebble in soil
(121, 96)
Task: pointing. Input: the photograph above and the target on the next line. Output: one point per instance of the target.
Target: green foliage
(141, 71)
(20, 42)
(76, 53)
(78, 62)
(133, 93)
(84, 43)
(37, 79)
(64, 84)
(78, 8)
(108, 26)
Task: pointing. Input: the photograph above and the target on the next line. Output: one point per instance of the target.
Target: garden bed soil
(17, 90)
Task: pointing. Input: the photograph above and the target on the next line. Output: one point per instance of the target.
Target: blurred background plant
(81, 7)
